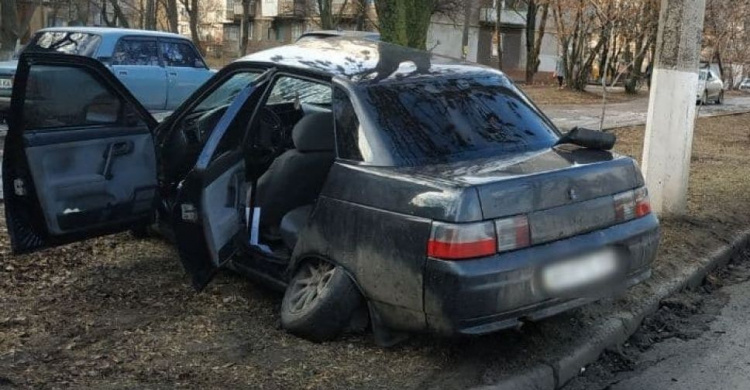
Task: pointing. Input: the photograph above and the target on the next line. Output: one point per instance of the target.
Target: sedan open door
(79, 158)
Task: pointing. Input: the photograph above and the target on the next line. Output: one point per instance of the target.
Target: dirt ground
(119, 313)
(545, 95)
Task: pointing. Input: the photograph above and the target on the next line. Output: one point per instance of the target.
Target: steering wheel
(272, 127)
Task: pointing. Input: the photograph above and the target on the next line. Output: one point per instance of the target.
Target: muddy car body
(432, 190)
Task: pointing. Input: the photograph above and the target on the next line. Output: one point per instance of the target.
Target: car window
(225, 93)
(442, 119)
(48, 104)
(703, 75)
(180, 54)
(351, 143)
(289, 89)
(67, 42)
(131, 51)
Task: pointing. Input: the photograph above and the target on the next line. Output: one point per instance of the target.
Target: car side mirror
(591, 139)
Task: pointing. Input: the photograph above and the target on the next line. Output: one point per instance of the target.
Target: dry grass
(117, 312)
(545, 95)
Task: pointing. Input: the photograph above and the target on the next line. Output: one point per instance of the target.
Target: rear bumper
(489, 294)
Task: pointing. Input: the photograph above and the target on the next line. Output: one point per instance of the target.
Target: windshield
(67, 42)
(225, 93)
(438, 120)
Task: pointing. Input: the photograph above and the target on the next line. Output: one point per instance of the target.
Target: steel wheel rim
(305, 290)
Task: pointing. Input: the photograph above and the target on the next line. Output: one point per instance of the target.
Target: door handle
(173, 74)
(113, 150)
(122, 72)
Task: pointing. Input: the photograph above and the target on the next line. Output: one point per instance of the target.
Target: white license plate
(6, 84)
(580, 271)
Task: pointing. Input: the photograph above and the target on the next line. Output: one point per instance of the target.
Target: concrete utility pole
(671, 108)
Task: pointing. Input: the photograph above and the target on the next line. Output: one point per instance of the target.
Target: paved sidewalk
(628, 114)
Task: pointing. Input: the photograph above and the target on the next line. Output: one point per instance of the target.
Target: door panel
(147, 83)
(186, 70)
(210, 201)
(77, 186)
(75, 168)
(136, 63)
(223, 204)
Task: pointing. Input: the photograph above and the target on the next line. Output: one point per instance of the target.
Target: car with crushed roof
(366, 181)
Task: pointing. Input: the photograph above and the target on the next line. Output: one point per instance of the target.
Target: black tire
(319, 302)
(720, 98)
(704, 98)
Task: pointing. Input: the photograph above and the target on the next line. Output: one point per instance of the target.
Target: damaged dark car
(367, 181)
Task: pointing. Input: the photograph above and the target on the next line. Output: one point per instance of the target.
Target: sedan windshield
(67, 42)
(438, 120)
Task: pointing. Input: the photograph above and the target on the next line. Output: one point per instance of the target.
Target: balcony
(235, 12)
(508, 17)
(293, 9)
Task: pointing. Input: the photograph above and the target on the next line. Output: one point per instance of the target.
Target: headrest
(314, 133)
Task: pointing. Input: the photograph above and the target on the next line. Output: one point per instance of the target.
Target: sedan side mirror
(589, 139)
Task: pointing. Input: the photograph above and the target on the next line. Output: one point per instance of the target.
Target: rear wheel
(720, 98)
(319, 302)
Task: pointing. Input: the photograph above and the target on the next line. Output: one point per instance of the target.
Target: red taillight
(642, 202)
(632, 204)
(512, 233)
(462, 241)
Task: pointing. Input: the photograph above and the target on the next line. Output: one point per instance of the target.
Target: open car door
(79, 158)
(208, 212)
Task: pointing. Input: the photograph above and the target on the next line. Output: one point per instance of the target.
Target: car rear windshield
(441, 119)
(68, 42)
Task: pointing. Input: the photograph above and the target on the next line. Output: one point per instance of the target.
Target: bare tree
(192, 8)
(537, 13)
(15, 17)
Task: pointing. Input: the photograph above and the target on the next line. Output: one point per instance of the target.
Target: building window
(233, 33)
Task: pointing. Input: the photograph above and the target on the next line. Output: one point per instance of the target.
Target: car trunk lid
(561, 191)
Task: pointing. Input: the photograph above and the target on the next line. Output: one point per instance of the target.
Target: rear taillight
(462, 241)
(632, 204)
(642, 202)
(512, 233)
(472, 240)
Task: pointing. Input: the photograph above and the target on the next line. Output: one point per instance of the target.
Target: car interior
(286, 153)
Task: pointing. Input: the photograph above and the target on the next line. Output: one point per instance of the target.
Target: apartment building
(446, 36)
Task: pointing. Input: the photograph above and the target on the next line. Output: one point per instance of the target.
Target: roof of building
(363, 61)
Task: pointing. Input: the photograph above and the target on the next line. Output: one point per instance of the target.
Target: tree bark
(405, 22)
(245, 27)
(534, 40)
(498, 32)
(191, 8)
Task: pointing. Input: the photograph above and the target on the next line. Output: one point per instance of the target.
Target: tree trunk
(405, 22)
(534, 40)
(13, 25)
(361, 14)
(191, 7)
(465, 36)
(119, 15)
(245, 27)
(150, 16)
(498, 32)
(173, 16)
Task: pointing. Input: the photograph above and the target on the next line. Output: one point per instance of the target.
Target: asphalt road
(695, 341)
(629, 113)
(719, 359)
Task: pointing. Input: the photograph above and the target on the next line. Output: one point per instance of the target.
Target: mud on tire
(319, 302)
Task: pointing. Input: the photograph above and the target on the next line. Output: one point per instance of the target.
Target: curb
(554, 374)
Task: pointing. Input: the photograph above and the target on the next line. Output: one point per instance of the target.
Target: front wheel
(319, 302)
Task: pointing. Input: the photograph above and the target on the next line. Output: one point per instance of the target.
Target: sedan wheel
(720, 98)
(704, 98)
(319, 301)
